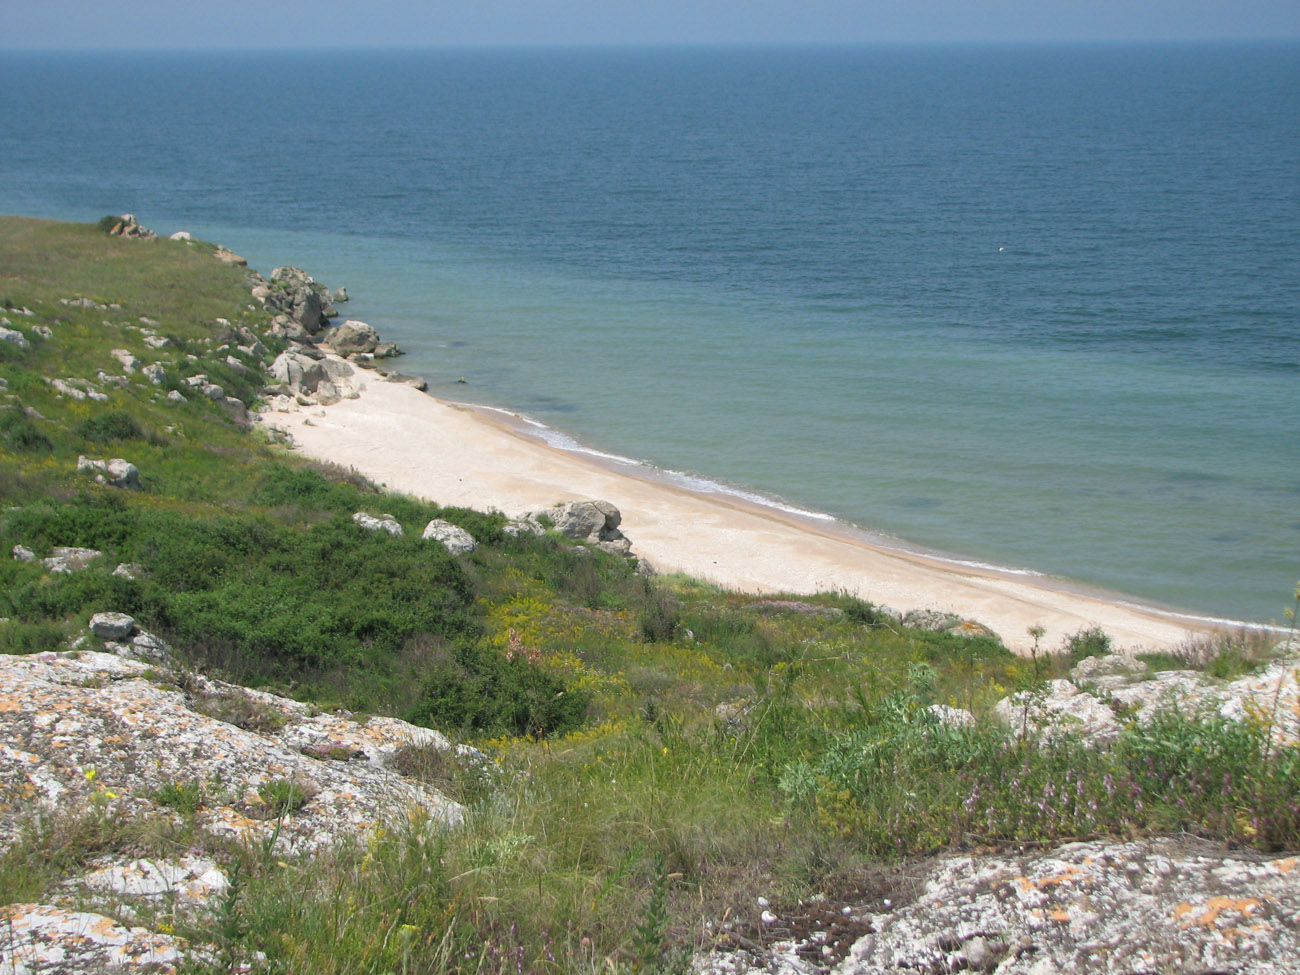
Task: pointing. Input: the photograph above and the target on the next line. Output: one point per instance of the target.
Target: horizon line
(619, 44)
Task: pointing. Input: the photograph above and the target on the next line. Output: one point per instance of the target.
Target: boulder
(384, 522)
(116, 472)
(143, 646)
(155, 373)
(387, 350)
(455, 539)
(175, 396)
(327, 394)
(594, 522)
(14, 337)
(23, 554)
(284, 327)
(306, 375)
(352, 337)
(523, 526)
(415, 382)
(181, 235)
(340, 295)
(112, 626)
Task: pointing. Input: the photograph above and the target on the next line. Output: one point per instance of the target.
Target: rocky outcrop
(300, 297)
(936, 621)
(114, 472)
(1162, 905)
(1100, 690)
(89, 726)
(455, 539)
(126, 226)
(594, 522)
(310, 378)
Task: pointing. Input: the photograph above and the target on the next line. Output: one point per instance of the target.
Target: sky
(128, 24)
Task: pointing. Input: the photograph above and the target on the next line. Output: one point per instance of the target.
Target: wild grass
(661, 751)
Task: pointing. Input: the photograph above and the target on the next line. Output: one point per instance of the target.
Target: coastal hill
(257, 714)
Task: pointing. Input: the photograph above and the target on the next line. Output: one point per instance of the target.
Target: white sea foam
(691, 482)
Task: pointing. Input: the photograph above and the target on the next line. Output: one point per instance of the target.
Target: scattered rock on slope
(455, 539)
(1086, 705)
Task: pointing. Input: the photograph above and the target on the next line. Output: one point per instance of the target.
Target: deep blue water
(1036, 305)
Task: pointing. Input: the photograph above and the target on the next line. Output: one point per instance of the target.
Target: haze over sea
(1035, 306)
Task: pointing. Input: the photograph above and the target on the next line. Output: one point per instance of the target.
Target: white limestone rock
(114, 472)
(455, 539)
(384, 522)
(14, 337)
(65, 558)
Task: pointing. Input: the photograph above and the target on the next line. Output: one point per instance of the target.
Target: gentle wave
(692, 482)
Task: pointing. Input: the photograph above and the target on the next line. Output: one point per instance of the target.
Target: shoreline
(836, 527)
(486, 457)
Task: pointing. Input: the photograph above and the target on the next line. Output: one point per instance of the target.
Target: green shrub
(659, 614)
(283, 796)
(1091, 641)
(107, 223)
(480, 691)
(19, 433)
(185, 796)
(108, 427)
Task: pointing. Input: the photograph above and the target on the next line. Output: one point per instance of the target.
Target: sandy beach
(454, 454)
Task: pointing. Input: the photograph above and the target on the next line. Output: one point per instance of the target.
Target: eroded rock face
(300, 297)
(81, 725)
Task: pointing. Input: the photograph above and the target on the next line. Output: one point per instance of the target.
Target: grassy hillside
(671, 751)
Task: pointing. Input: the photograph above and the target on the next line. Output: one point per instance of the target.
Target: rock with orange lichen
(37, 939)
(78, 727)
(1151, 906)
(1160, 905)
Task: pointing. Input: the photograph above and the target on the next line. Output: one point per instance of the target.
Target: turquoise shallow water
(1034, 307)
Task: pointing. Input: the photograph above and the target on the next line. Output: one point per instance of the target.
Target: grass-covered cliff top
(672, 750)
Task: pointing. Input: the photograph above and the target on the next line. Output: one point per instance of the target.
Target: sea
(1030, 306)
